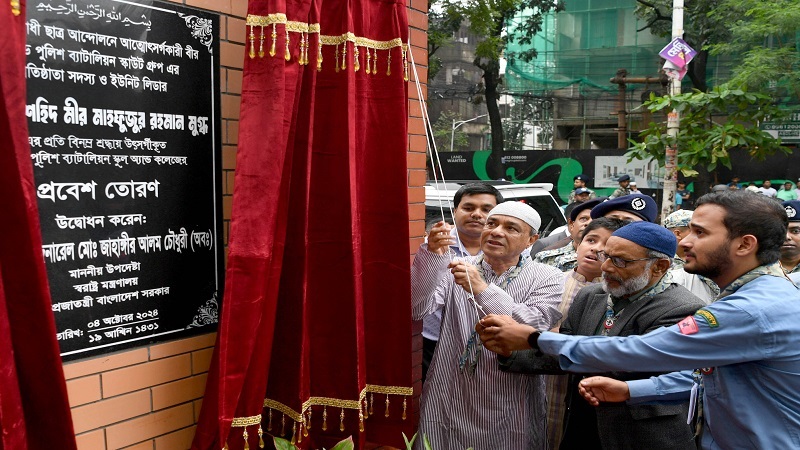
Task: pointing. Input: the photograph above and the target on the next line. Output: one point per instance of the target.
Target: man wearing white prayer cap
(466, 400)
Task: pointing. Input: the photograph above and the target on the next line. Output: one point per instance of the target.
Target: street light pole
(458, 123)
(673, 124)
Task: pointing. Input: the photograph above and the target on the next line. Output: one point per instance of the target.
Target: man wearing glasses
(634, 298)
(743, 347)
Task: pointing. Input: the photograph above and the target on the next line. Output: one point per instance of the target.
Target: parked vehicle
(439, 201)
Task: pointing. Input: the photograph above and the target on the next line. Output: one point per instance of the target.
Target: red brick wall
(417, 147)
(149, 398)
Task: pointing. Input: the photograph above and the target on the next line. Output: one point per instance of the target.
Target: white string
(434, 152)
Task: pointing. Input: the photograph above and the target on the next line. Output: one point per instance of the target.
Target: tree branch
(655, 19)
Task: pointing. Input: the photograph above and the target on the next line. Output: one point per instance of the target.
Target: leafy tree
(443, 130)
(712, 124)
(488, 20)
(441, 26)
(767, 39)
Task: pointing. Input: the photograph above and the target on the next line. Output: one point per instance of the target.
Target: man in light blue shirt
(743, 348)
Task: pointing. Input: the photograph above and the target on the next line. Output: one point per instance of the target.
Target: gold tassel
(374, 61)
(294, 435)
(305, 49)
(341, 420)
(369, 59)
(244, 436)
(360, 419)
(225, 447)
(308, 424)
(366, 414)
(371, 403)
(252, 52)
(300, 59)
(356, 63)
(305, 431)
(260, 437)
(344, 55)
(15, 7)
(283, 425)
(389, 63)
(319, 54)
(386, 414)
(299, 432)
(404, 406)
(287, 55)
(325, 413)
(336, 63)
(269, 422)
(274, 38)
(261, 43)
(405, 64)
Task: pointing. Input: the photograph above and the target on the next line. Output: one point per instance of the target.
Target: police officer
(579, 182)
(624, 187)
(743, 347)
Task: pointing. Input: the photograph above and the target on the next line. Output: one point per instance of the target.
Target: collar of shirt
(574, 274)
(774, 270)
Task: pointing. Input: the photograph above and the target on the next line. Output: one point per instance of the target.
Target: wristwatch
(533, 340)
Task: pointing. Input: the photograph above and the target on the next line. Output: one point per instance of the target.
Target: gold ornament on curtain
(301, 424)
(306, 29)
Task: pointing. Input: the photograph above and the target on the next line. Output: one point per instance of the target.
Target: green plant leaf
(409, 444)
(282, 444)
(426, 442)
(344, 444)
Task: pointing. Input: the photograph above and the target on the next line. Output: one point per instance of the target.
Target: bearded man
(634, 298)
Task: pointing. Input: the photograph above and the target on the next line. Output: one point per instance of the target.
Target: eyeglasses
(617, 261)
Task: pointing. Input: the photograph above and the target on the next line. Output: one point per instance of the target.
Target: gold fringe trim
(272, 404)
(305, 29)
(301, 424)
(394, 390)
(246, 421)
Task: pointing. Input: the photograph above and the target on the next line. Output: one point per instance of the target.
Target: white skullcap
(519, 210)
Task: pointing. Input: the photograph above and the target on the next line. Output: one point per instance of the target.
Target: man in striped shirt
(467, 401)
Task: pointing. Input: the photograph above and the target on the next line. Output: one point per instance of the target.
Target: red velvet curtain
(34, 412)
(316, 316)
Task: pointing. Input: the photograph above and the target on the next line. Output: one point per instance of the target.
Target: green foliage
(442, 23)
(283, 444)
(711, 124)
(766, 37)
(443, 130)
(425, 442)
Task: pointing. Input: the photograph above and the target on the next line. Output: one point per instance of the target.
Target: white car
(439, 201)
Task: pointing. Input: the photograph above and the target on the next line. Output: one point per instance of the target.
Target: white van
(439, 199)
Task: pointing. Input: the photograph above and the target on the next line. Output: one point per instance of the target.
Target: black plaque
(123, 109)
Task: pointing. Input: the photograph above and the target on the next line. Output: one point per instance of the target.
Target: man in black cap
(579, 182)
(790, 250)
(634, 207)
(624, 187)
(634, 298)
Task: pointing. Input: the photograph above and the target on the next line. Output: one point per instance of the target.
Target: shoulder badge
(688, 326)
(709, 317)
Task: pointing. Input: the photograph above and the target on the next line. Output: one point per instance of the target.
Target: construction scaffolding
(578, 51)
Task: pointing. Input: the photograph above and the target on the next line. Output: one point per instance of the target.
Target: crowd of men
(619, 333)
